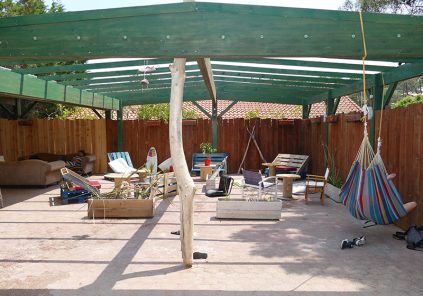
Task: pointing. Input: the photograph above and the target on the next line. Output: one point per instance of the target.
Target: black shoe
(176, 232)
(346, 244)
(359, 241)
(198, 255)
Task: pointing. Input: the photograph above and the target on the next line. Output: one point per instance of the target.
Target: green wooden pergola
(237, 52)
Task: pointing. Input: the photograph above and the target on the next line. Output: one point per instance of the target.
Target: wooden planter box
(333, 192)
(120, 208)
(242, 209)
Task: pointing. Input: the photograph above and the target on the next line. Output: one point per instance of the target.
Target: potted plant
(334, 184)
(207, 149)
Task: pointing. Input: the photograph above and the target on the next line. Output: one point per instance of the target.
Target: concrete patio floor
(56, 250)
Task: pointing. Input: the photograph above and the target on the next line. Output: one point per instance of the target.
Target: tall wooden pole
(186, 187)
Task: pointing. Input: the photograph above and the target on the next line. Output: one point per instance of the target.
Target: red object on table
(96, 184)
(285, 168)
(207, 162)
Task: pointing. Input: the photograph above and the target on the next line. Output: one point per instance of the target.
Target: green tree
(161, 112)
(26, 7)
(414, 7)
(10, 8)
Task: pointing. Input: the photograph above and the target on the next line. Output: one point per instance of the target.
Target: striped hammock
(368, 193)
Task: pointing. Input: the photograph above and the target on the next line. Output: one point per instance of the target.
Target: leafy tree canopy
(414, 7)
(26, 7)
(161, 112)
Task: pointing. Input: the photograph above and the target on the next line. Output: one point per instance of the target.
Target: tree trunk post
(186, 187)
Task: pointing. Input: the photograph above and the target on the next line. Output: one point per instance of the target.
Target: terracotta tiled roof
(266, 110)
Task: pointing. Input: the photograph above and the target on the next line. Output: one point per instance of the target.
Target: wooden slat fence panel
(20, 138)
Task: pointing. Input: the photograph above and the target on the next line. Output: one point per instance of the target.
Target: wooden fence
(23, 138)
(402, 148)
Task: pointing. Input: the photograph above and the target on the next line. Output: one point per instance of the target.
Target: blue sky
(76, 5)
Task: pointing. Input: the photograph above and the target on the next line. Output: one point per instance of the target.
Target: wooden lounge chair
(289, 163)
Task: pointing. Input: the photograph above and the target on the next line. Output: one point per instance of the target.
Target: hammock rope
(367, 192)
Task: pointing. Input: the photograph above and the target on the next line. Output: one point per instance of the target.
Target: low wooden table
(287, 180)
(272, 168)
(119, 178)
(205, 170)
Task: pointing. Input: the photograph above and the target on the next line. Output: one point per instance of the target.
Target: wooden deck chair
(124, 155)
(294, 163)
(316, 184)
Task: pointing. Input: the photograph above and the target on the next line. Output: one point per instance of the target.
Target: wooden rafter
(206, 70)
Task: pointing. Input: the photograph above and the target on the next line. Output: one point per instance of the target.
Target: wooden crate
(120, 208)
(243, 209)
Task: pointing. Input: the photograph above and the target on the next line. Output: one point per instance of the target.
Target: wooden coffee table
(205, 170)
(287, 180)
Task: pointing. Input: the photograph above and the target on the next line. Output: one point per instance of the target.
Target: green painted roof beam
(400, 73)
(132, 84)
(108, 89)
(151, 77)
(271, 83)
(403, 72)
(310, 80)
(248, 68)
(112, 72)
(93, 66)
(171, 30)
(302, 63)
(33, 88)
(230, 92)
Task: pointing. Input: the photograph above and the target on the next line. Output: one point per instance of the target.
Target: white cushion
(119, 165)
(165, 165)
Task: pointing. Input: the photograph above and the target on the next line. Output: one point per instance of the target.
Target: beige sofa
(30, 172)
(87, 163)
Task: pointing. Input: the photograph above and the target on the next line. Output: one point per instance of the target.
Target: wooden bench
(216, 158)
(294, 163)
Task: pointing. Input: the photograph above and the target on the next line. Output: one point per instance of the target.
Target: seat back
(124, 155)
(225, 184)
(251, 177)
(300, 162)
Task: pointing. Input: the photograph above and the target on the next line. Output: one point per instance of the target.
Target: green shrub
(407, 101)
(252, 114)
(161, 112)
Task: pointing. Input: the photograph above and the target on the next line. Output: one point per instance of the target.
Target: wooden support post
(202, 109)
(120, 127)
(227, 108)
(186, 187)
(377, 92)
(214, 124)
(97, 113)
(306, 110)
(18, 113)
(388, 95)
(330, 110)
(29, 108)
(108, 114)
